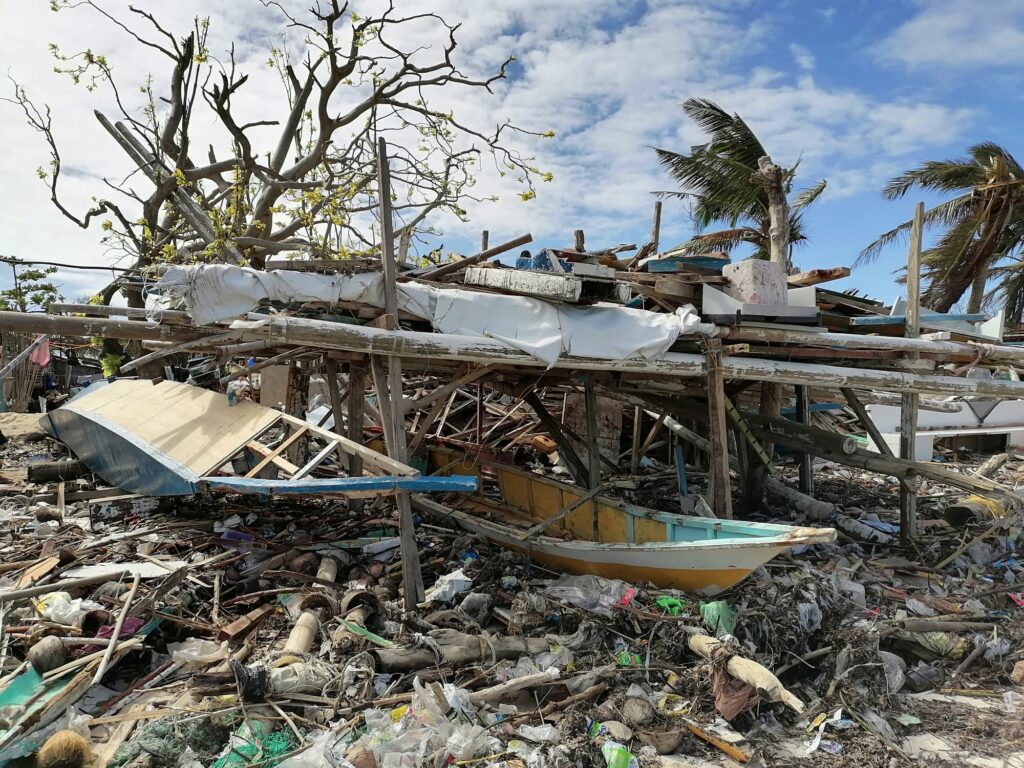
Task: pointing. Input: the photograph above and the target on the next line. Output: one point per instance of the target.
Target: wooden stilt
(720, 485)
(634, 457)
(908, 419)
(412, 577)
(803, 411)
(593, 448)
(356, 403)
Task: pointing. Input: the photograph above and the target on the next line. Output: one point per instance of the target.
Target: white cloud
(958, 34)
(803, 57)
(607, 76)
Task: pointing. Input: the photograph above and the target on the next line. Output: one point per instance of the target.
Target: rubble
(214, 650)
(562, 514)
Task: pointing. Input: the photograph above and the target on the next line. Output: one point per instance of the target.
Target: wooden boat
(172, 439)
(611, 538)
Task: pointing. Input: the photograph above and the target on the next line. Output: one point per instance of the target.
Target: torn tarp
(547, 331)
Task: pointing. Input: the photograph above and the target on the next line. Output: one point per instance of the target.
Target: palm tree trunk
(977, 296)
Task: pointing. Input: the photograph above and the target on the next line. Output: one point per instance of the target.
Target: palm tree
(984, 224)
(717, 178)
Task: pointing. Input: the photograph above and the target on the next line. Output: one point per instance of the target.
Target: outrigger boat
(610, 538)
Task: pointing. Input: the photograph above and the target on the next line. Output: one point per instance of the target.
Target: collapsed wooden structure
(391, 370)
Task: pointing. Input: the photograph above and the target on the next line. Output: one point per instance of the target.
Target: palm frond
(937, 175)
(947, 213)
(807, 196)
(723, 240)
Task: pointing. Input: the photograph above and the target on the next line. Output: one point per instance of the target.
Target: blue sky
(857, 90)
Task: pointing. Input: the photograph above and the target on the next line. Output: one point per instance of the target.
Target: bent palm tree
(717, 177)
(983, 225)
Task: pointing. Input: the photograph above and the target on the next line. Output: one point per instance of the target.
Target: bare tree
(312, 186)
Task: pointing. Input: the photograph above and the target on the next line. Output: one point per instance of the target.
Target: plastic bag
(326, 750)
(197, 651)
(592, 593)
(58, 607)
(719, 617)
(447, 587)
(540, 733)
(618, 756)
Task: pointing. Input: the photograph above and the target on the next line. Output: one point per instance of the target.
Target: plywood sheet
(194, 427)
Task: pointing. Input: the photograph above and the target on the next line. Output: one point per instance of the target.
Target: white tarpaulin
(547, 331)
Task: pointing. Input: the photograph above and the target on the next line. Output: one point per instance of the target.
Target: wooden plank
(817, 276)
(865, 420)
(676, 287)
(721, 487)
(243, 625)
(284, 446)
(379, 461)
(560, 514)
(268, 453)
(908, 414)
(593, 448)
(316, 461)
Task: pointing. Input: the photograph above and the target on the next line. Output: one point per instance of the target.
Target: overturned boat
(172, 439)
(566, 528)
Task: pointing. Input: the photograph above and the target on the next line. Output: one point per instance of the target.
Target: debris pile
(223, 631)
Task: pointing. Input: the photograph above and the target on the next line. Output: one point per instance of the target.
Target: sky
(856, 91)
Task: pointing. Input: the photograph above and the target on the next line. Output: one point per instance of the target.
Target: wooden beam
(184, 346)
(565, 448)
(284, 446)
(908, 411)
(561, 514)
(656, 227)
(331, 376)
(356, 405)
(865, 420)
(803, 411)
(268, 453)
(288, 354)
(380, 462)
(817, 276)
(412, 577)
(457, 266)
(163, 316)
(316, 461)
(593, 447)
(719, 482)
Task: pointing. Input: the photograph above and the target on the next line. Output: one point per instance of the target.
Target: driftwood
(455, 648)
(750, 672)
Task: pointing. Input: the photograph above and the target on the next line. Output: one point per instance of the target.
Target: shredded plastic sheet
(547, 331)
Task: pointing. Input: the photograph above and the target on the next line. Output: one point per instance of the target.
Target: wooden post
(593, 447)
(908, 414)
(656, 227)
(412, 577)
(485, 238)
(356, 400)
(634, 457)
(720, 486)
(565, 450)
(479, 413)
(331, 376)
(579, 240)
(803, 411)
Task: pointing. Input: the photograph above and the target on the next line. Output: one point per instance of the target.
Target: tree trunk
(772, 178)
(978, 289)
